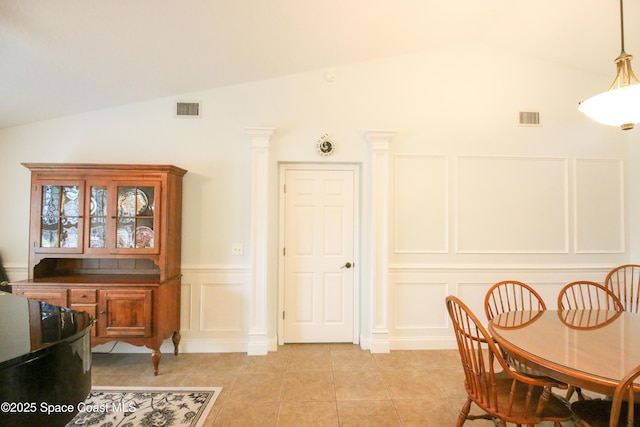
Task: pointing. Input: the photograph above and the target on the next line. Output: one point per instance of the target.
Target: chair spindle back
(585, 295)
(624, 281)
(511, 295)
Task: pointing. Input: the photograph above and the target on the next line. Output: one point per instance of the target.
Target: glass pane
(146, 201)
(136, 206)
(69, 217)
(98, 201)
(124, 237)
(144, 237)
(97, 233)
(50, 204)
(98, 214)
(49, 237)
(70, 203)
(60, 216)
(132, 201)
(69, 237)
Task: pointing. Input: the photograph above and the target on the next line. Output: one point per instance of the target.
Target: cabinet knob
(103, 312)
(83, 296)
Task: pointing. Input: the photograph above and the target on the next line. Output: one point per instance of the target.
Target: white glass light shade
(615, 107)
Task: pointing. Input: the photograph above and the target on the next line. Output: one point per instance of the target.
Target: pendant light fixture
(620, 105)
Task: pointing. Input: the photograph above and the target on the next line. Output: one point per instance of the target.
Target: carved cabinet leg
(155, 358)
(176, 340)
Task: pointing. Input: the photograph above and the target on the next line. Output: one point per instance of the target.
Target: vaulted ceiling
(60, 57)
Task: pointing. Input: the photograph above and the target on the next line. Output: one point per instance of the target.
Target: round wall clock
(324, 146)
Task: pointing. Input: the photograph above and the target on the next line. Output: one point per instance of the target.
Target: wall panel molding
(409, 305)
(219, 300)
(221, 307)
(511, 205)
(186, 306)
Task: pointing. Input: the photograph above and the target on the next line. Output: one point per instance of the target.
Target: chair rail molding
(258, 340)
(380, 145)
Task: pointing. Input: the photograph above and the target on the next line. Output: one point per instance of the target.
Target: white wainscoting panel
(414, 307)
(221, 307)
(217, 300)
(512, 205)
(599, 206)
(421, 214)
(185, 306)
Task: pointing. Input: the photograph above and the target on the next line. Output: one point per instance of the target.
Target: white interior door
(318, 255)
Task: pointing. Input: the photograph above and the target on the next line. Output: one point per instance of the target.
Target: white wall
(633, 193)
(474, 198)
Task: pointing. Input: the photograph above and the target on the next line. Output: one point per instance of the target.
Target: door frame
(355, 168)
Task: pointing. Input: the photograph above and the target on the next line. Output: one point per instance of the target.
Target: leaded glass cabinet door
(61, 217)
(137, 222)
(98, 217)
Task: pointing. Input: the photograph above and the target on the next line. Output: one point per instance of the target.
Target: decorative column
(380, 164)
(258, 329)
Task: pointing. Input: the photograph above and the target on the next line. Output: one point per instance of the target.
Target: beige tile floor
(306, 385)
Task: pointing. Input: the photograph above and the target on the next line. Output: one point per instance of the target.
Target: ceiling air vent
(529, 118)
(188, 109)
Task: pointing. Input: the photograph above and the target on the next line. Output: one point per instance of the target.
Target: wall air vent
(187, 109)
(529, 118)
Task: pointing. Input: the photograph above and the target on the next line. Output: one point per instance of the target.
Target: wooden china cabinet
(106, 239)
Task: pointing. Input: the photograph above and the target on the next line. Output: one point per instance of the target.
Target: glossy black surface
(45, 362)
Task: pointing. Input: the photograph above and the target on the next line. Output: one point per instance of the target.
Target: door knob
(347, 265)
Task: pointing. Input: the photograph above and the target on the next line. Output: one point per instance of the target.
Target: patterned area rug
(146, 406)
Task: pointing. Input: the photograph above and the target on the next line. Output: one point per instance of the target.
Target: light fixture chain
(621, 27)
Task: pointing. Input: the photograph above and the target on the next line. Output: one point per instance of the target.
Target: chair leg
(463, 413)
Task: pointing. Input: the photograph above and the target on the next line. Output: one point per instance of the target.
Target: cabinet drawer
(82, 296)
(49, 295)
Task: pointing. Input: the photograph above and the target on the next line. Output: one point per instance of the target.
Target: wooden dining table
(590, 349)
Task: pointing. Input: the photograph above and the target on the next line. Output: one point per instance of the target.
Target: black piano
(45, 362)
